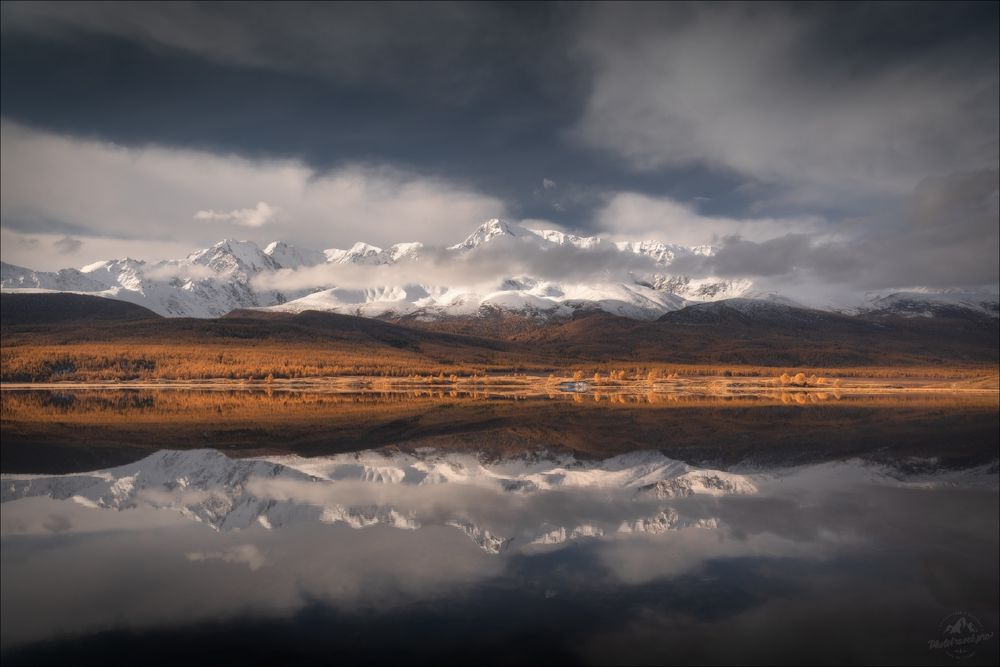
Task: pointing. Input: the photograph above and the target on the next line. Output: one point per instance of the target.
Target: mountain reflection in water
(442, 556)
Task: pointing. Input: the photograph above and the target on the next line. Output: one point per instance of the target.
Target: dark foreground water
(498, 531)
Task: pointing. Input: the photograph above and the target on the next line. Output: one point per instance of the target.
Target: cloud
(26, 242)
(67, 245)
(637, 216)
(480, 268)
(242, 554)
(945, 235)
(825, 103)
(783, 256)
(174, 269)
(811, 108)
(258, 216)
(548, 183)
(39, 251)
(148, 194)
(57, 523)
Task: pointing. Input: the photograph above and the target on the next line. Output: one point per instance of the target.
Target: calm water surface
(427, 527)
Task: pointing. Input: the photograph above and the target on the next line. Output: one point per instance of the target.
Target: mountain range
(400, 282)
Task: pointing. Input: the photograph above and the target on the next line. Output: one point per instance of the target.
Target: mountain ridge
(233, 275)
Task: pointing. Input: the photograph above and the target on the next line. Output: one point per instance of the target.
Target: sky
(852, 143)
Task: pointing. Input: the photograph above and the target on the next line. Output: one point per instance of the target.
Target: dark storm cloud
(822, 101)
(351, 41)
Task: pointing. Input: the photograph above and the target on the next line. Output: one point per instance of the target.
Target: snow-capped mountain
(238, 259)
(234, 274)
(488, 231)
(207, 283)
(922, 302)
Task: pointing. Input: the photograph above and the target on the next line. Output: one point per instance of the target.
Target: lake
(505, 525)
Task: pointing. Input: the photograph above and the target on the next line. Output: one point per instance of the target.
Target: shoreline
(983, 385)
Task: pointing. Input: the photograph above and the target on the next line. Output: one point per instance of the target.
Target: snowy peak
(126, 273)
(362, 253)
(292, 257)
(405, 251)
(562, 238)
(359, 253)
(489, 230)
(242, 259)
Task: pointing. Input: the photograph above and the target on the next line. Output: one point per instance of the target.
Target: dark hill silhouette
(17, 309)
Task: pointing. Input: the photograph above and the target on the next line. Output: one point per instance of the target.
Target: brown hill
(43, 339)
